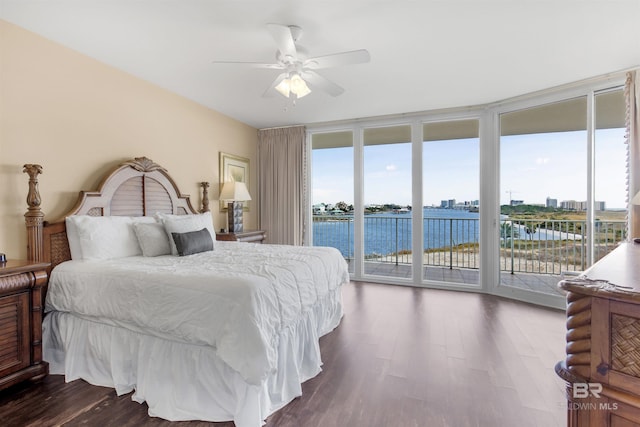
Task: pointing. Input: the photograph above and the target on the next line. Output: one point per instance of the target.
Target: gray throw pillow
(193, 242)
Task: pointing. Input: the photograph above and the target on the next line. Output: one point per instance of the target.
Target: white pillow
(106, 237)
(73, 238)
(152, 238)
(184, 224)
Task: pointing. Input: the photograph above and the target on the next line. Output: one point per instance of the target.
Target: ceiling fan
(300, 74)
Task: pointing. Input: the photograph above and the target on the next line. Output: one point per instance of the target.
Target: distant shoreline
(388, 233)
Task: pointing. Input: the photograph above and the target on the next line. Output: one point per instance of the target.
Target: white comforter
(236, 299)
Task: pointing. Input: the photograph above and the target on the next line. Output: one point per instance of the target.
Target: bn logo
(584, 390)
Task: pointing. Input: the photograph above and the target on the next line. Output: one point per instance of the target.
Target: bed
(199, 330)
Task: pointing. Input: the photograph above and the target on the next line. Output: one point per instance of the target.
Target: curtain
(281, 171)
(632, 95)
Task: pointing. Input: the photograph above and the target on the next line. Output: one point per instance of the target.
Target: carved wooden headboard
(137, 187)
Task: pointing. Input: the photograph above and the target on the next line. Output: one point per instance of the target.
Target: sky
(533, 167)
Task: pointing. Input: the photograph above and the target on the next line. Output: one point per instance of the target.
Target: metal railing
(533, 246)
(554, 246)
(451, 242)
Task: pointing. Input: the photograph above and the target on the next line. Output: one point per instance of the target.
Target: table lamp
(235, 193)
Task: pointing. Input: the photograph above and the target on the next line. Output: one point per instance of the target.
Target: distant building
(318, 209)
(448, 204)
(572, 205)
(452, 204)
(517, 202)
(552, 203)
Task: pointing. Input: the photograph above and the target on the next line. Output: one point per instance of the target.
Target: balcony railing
(538, 246)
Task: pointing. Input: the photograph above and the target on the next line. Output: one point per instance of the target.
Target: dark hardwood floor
(401, 357)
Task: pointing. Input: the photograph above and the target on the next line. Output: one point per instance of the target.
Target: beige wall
(78, 118)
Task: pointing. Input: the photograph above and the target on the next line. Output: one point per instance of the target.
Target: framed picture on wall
(233, 168)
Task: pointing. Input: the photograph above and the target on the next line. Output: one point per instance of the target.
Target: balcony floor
(544, 283)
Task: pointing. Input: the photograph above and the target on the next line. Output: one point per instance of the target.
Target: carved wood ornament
(34, 216)
(578, 334)
(144, 164)
(205, 197)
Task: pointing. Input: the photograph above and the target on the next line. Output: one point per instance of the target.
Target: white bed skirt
(182, 381)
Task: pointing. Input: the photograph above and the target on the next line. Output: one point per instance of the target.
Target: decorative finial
(144, 164)
(205, 197)
(33, 197)
(34, 216)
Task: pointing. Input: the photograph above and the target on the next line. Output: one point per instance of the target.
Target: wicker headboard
(138, 187)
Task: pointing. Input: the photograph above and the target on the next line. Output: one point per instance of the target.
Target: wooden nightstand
(601, 368)
(254, 236)
(21, 285)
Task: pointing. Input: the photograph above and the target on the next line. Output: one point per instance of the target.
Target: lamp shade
(234, 191)
(636, 199)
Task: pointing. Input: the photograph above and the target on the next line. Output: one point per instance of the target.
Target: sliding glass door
(376, 239)
(332, 218)
(387, 196)
(561, 194)
(451, 211)
(609, 172)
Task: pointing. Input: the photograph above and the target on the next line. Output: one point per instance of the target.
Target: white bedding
(257, 310)
(237, 299)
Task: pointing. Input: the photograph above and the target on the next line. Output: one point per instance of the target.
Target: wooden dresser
(254, 236)
(21, 285)
(602, 367)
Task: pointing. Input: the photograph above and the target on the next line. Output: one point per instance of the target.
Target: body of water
(384, 232)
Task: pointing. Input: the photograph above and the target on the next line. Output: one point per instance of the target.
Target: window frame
(488, 116)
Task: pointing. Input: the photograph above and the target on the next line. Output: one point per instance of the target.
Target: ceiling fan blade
(272, 89)
(322, 83)
(284, 40)
(338, 59)
(251, 64)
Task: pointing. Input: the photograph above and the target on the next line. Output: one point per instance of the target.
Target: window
(332, 192)
(511, 196)
(451, 211)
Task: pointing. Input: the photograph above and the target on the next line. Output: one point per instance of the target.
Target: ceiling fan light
(299, 86)
(284, 87)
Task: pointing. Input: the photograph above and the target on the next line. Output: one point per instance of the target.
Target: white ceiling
(425, 54)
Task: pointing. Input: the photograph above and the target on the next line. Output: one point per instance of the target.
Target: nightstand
(21, 285)
(254, 236)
